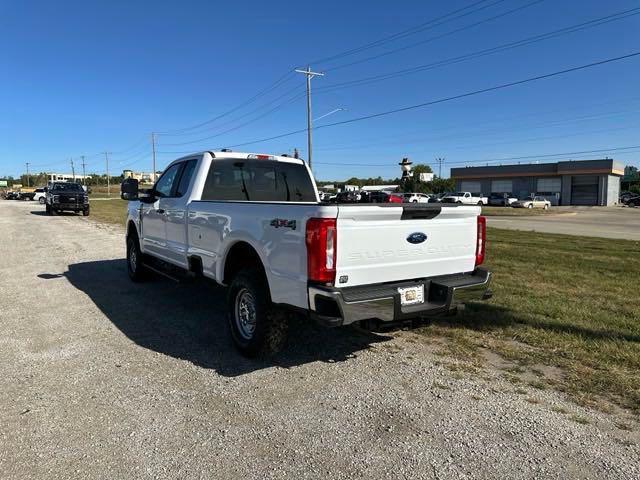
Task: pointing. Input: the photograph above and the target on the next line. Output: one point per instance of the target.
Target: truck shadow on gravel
(188, 321)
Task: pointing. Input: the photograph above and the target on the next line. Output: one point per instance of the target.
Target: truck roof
(222, 154)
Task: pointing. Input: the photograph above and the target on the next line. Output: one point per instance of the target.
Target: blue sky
(80, 78)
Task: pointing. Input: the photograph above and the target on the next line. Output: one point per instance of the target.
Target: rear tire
(257, 328)
(530, 205)
(135, 267)
(42, 200)
(546, 207)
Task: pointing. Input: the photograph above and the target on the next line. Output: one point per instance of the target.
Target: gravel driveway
(101, 378)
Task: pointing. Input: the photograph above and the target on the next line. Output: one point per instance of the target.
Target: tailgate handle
(420, 212)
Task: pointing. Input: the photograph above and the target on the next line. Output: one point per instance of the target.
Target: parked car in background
(502, 199)
(415, 198)
(40, 195)
(12, 195)
(624, 196)
(466, 198)
(67, 196)
(633, 201)
(532, 202)
(384, 197)
(26, 195)
(347, 197)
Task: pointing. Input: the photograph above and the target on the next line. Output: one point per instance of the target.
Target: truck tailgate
(379, 244)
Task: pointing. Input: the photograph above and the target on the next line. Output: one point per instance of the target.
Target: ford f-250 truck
(254, 223)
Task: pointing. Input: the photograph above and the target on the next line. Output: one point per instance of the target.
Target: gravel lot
(101, 378)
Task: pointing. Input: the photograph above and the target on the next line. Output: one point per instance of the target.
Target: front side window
(185, 178)
(164, 186)
(256, 180)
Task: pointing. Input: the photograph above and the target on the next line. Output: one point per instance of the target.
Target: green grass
(109, 211)
(559, 301)
(515, 212)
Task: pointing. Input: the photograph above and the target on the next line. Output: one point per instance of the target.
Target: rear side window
(255, 180)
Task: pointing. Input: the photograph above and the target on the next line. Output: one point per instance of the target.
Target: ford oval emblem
(416, 237)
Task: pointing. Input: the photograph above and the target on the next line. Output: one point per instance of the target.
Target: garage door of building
(550, 188)
(584, 190)
(470, 187)
(501, 186)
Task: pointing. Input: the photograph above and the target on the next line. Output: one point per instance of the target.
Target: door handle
(160, 211)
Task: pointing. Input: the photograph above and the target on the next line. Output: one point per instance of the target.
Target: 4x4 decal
(283, 222)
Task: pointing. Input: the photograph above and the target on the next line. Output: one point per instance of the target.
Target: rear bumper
(335, 307)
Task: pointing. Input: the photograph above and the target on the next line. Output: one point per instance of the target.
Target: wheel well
(242, 255)
(131, 229)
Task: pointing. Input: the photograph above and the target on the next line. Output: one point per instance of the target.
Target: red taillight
(321, 249)
(482, 239)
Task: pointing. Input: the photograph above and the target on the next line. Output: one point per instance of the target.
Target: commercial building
(67, 177)
(576, 182)
(143, 177)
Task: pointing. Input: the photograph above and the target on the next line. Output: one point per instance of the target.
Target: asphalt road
(607, 222)
(100, 378)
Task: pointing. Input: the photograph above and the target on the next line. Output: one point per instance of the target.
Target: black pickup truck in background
(64, 196)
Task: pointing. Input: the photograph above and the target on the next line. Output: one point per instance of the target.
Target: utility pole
(309, 74)
(73, 170)
(106, 158)
(84, 176)
(153, 150)
(440, 160)
(28, 184)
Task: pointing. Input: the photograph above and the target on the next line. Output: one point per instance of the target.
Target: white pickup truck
(466, 198)
(254, 223)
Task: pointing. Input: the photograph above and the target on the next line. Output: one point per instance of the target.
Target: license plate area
(411, 295)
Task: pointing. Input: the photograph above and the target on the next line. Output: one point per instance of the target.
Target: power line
(404, 33)
(237, 127)
(474, 133)
(437, 37)
(502, 159)
(283, 79)
(445, 99)
(481, 53)
(481, 91)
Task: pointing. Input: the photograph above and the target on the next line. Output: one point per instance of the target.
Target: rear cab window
(258, 181)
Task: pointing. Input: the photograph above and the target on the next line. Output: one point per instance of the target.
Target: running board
(162, 272)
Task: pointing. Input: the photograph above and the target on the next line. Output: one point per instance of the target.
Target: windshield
(458, 194)
(67, 187)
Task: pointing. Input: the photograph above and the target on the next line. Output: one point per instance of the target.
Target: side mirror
(129, 189)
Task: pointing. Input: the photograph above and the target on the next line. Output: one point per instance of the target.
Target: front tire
(85, 212)
(135, 267)
(530, 205)
(257, 328)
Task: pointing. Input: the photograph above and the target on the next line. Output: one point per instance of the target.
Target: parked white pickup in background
(467, 198)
